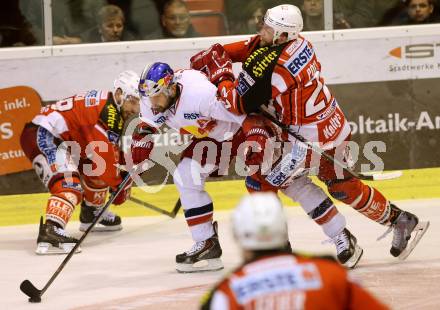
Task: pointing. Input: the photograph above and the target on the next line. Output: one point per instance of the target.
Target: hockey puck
(35, 299)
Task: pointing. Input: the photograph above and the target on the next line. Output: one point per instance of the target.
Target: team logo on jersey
(202, 130)
(276, 280)
(191, 116)
(293, 46)
(299, 60)
(72, 185)
(245, 82)
(112, 118)
(160, 120)
(328, 111)
(113, 137)
(289, 167)
(45, 142)
(91, 98)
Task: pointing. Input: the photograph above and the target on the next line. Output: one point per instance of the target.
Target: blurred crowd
(90, 21)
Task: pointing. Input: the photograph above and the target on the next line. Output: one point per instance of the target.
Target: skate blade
(419, 231)
(213, 264)
(99, 227)
(44, 248)
(354, 259)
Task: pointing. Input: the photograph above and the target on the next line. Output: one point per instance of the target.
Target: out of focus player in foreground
(281, 73)
(271, 278)
(73, 145)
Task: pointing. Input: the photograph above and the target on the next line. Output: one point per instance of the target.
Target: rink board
(26, 209)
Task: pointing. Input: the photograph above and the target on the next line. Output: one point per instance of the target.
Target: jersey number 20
(311, 106)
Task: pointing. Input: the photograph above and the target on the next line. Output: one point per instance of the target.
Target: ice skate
(203, 256)
(109, 221)
(348, 251)
(405, 227)
(54, 240)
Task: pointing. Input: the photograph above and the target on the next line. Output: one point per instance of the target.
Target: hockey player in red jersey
(282, 74)
(73, 145)
(271, 278)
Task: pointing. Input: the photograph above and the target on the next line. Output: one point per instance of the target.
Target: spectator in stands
(144, 16)
(346, 14)
(384, 11)
(73, 17)
(175, 22)
(313, 15)
(15, 30)
(141, 16)
(354, 14)
(420, 12)
(110, 27)
(255, 21)
(248, 19)
(412, 12)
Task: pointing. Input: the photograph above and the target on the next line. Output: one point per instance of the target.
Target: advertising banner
(386, 81)
(403, 115)
(18, 105)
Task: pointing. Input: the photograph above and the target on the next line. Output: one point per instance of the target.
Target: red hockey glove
(254, 154)
(141, 145)
(124, 194)
(215, 63)
(257, 132)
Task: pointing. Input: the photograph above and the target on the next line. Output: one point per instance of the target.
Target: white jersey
(197, 111)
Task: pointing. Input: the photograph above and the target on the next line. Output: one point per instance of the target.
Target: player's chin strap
(318, 150)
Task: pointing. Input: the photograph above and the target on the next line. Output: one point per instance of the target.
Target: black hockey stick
(316, 149)
(35, 294)
(171, 214)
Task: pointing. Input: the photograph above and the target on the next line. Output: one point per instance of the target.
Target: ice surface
(134, 268)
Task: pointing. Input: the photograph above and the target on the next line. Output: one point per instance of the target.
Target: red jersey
(287, 281)
(298, 93)
(93, 121)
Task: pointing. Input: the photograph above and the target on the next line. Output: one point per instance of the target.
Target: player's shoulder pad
(110, 117)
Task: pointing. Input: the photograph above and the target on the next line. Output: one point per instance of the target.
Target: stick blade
(387, 175)
(381, 176)
(30, 290)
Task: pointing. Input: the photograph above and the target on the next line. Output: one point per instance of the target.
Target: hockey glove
(124, 194)
(257, 135)
(215, 63)
(141, 145)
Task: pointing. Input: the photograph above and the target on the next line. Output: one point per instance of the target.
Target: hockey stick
(368, 177)
(171, 214)
(35, 294)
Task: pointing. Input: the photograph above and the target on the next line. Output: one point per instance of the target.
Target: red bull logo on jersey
(299, 60)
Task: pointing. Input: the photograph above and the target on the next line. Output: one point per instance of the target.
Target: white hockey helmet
(259, 223)
(128, 82)
(285, 18)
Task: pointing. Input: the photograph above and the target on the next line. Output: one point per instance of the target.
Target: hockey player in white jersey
(186, 101)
